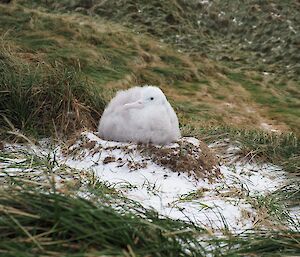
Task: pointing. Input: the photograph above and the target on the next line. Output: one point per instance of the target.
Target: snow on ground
(216, 204)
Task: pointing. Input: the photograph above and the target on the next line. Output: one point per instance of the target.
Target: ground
(230, 187)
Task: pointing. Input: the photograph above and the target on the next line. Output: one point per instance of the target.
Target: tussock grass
(264, 243)
(52, 224)
(290, 193)
(255, 145)
(43, 99)
(272, 210)
(45, 221)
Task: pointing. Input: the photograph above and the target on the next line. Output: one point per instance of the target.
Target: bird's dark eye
(151, 98)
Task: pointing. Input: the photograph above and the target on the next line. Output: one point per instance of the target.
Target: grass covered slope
(251, 33)
(109, 56)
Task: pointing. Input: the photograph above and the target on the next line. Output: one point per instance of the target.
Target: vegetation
(230, 69)
(252, 33)
(282, 150)
(44, 215)
(53, 224)
(110, 57)
(40, 98)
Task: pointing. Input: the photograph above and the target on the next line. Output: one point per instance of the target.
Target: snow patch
(218, 204)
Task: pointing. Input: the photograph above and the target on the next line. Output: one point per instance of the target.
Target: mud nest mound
(187, 156)
(194, 159)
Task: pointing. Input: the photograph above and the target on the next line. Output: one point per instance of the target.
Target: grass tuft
(43, 99)
(37, 222)
(256, 145)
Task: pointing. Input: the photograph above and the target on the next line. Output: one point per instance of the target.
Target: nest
(196, 160)
(188, 156)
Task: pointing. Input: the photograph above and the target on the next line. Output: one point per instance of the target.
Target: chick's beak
(135, 105)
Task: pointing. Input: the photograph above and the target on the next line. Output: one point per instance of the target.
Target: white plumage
(140, 114)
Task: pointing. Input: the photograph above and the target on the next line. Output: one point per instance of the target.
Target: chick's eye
(151, 98)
